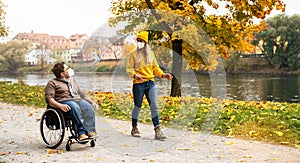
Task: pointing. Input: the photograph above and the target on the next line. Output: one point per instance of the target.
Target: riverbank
(259, 66)
(242, 66)
(20, 142)
(266, 70)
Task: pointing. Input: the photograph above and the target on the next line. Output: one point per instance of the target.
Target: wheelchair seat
(53, 126)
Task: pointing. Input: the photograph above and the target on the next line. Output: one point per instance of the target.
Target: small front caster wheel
(92, 143)
(68, 146)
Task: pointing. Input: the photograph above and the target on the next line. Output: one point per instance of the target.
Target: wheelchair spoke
(52, 128)
(53, 136)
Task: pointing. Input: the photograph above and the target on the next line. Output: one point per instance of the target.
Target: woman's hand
(167, 75)
(137, 77)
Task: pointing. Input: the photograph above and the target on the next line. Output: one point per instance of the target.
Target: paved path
(20, 141)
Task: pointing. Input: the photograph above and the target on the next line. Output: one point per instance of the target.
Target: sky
(56, 17)
(68, 17)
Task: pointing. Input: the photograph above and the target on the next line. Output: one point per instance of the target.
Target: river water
(239, 87)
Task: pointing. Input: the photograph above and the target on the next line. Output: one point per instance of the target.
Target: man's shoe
(135, 131)
(159, 135)
(92, 135)
(82, 137)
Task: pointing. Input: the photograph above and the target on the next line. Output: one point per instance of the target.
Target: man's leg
(87, 113)
(73, 105)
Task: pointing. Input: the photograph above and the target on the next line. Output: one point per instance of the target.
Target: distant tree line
(280, 41)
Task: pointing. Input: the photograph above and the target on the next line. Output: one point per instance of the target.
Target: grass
(107, 66)
(271, 122)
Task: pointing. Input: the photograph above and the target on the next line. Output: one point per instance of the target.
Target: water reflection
(239, 87)
(263, 87)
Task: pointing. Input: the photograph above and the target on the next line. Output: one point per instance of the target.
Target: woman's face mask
(71, 72)
(140, 45)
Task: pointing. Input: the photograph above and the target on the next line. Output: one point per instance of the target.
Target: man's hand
(95, 106)
(167, 75)
(64, 107)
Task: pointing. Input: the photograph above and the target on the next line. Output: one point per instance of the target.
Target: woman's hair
(148, 55)
(58, 68)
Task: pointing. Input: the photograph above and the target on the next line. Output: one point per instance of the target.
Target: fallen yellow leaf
(125, 145)
(284, 143)
(241, 160)
(117, 127)
(228, 142)
(222, 156)
(184, 149)
(159, 150)
(249, 156)
(218, 150)
(279, 133)
(195, 143)
(51, 151)
(88, 154)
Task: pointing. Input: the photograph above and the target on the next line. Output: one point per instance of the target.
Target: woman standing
(142, 67)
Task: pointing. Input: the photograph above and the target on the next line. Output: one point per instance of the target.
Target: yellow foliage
(232, 31)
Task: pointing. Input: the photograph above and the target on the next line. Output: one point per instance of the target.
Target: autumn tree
(96, 45)
(12, 54)
(42, 48)
(3, 29)
(194, 32)
(281, 40)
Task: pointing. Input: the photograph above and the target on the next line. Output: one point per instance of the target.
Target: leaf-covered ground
(271, 122)
(20, 141)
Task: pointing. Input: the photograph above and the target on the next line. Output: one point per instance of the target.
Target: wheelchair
(53, 128)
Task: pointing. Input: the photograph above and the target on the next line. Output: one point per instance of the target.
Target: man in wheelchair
(64, 93)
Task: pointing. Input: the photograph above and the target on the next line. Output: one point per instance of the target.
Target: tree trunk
(176, 68)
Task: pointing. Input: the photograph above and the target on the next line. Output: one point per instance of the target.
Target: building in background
(48, 49)
(76, 53)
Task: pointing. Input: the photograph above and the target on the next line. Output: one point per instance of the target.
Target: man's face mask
(71, 72)
(140, 45)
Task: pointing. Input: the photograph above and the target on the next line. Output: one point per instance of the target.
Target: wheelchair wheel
(52, 128)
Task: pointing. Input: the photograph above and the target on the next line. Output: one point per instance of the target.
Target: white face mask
(71, 72)
(140, 45)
